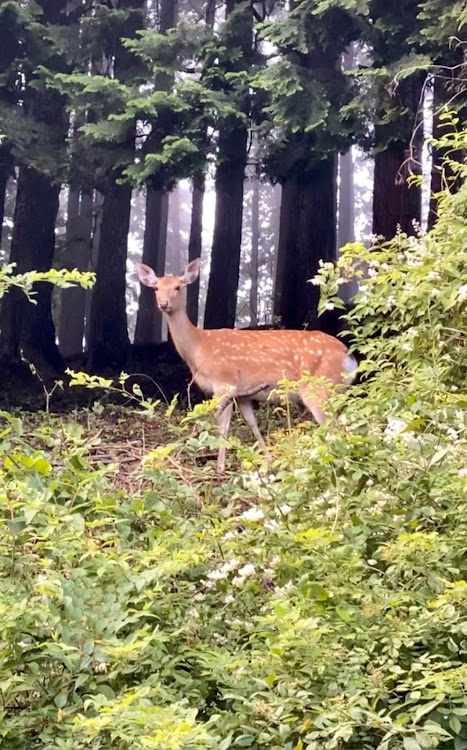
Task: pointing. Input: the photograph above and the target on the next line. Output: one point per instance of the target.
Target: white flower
(229, 599)
(372, 562)
(284, 509)
(229, 535)
(216, 575)
(253, 514)
(462, 473)
(329, 306)
(229, 566)
(317, 281)
(271, 525)
(395, 426)
(462, 292)
(247, 571)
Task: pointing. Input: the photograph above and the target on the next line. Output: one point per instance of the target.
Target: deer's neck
(185, 335)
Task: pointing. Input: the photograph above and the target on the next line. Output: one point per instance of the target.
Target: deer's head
(168, 289)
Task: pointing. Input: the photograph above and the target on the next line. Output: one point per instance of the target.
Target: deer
(245, 366)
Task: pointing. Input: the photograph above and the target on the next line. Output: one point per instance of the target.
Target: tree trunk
(23, 325)
(149, 319)
(394, 202)
(109, 342)
(441, 175)
(221, 299)
(254, 256)
(346, 223)
(195, 244)
(174, 262)
(307, 235)
(108, 329)
(6, 167)
(92, 206)
(78, 252)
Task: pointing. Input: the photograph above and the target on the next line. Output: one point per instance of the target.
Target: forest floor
(159, 372)
(116, 430)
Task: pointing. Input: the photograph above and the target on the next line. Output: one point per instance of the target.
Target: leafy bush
(316, 602)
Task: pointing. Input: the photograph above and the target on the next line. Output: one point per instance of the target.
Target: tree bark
(394, 202)
(23, 325)
(149, 319)
(108, 335)
(93, 205)
(221, 299)
(195, 244)
(398, 156)
(174, 261)
(6, 167)
(307, 235)
(441, 175)
(254, 255)
(78, 252)
(346, 223)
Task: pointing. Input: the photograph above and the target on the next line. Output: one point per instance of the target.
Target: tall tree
(12, 32)
(221, 299)
(108, 332)
(22, 326)
(398, 115)
(443, 39)
(195, 243)
(306, 128)
(346, 196)
(77, 255)
(254, 255)
(149, 320)
(307, 235)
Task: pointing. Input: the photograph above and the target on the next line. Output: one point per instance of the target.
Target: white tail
(245, 366)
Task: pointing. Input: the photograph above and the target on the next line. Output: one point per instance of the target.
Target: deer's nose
(163, 305)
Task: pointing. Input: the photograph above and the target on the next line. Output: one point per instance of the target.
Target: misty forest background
(260, 135)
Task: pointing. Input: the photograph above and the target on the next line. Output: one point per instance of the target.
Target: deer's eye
(155, 288)
(177, 288)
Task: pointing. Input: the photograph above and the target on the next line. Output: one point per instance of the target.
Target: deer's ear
(146, 275)
(191, 272)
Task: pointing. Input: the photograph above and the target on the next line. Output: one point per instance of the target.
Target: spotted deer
(245, 366)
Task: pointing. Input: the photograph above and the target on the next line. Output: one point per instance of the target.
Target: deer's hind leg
(316, 399)
(223, 422)
(246, 409)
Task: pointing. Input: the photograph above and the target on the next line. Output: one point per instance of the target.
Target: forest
(312, 153)
(257, 136)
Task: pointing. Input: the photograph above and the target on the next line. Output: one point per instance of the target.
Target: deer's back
(243, 358)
